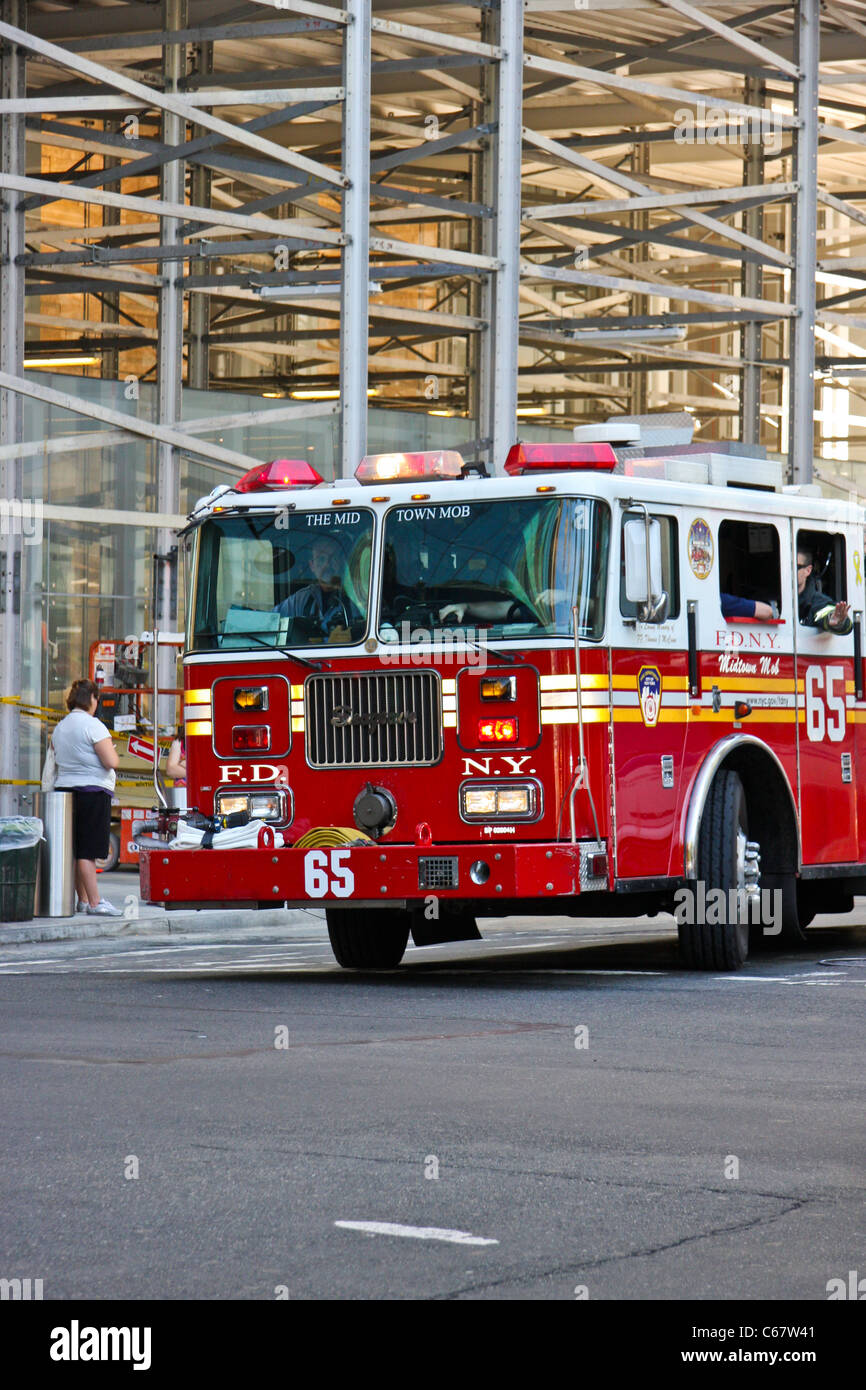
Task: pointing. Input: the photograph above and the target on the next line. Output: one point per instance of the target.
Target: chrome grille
(373, 719)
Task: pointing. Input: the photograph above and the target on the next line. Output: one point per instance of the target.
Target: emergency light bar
(279, 473)
(404, 468)
(526, 458)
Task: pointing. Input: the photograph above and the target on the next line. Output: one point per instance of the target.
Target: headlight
(251, 697)
(479, 801)
(515, 801)
(500, 801)
(272, 806)
(499, 688)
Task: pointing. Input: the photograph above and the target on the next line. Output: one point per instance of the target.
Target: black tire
(719, 945)
(112, 858)
(368, 940)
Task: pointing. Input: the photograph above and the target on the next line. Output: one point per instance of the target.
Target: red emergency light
(405, 468)
(279, 473)
(527, 458)
(497, 730)
(248, 738)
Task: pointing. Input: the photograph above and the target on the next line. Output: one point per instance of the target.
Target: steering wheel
(347, 622)
(519, 613)
(303, 628)
(402, 604)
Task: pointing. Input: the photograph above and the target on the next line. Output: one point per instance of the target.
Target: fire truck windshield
(296, 579)
(509, 568)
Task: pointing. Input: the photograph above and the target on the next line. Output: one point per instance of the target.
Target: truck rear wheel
(722, 859)
(373, 940)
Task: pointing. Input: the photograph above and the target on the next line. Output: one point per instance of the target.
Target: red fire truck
(455, 696)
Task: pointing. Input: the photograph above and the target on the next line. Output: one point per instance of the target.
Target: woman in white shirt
(86, 759)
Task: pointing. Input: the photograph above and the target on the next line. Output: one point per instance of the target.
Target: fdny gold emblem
(649, 687)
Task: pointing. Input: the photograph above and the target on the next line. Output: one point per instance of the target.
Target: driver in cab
(322, 603)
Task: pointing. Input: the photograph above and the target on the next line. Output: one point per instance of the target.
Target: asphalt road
(702, 1138)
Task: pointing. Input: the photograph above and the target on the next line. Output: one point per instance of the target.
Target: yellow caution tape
(46, 715)
(23, 782)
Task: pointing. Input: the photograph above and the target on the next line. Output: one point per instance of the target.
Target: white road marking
(774, 980)
(389, 1228)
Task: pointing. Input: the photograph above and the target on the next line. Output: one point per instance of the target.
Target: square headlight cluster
(499, 800)
(268, 806)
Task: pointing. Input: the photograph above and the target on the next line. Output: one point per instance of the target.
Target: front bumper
(365, 875)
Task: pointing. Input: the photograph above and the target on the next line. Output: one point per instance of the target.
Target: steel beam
(157, 207)
(752, 282)
(198, 322)
(457, 140)
(767, 192)
(601, 173)
(309, 8)
(757, 50)
(63, 400)
(660, 290)
(203, 97)
(573, 72)
(354, 289)
(196, 151)
(104, 439)
(175, 105)
(437, 38)
(12, 159)
(501, 170)
(801, 427)
(169, 354)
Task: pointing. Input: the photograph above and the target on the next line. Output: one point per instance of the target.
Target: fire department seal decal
(700, 548)
(649, 687)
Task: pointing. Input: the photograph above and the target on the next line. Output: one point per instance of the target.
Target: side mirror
(642, 544)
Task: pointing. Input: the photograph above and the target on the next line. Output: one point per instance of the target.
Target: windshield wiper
(270, 647)
(482, 647)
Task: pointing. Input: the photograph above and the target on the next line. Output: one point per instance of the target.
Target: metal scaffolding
(560, 209)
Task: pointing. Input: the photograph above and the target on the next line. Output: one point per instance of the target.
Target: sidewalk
(121, 888)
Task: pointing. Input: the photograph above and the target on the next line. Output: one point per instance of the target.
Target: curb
(119, 928)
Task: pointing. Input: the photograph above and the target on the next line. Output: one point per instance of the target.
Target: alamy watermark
(22, 517)
(714, 907)
(712, 125)
(853, 1287)
(21, 1290)
(402, 645)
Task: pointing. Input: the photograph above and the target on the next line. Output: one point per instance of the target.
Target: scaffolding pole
(801, 426)
(498, 347)
(12, 157)
(753, 284)
(354, 289)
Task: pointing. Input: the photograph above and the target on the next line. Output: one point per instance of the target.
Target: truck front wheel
(368, 940)
(719, 940)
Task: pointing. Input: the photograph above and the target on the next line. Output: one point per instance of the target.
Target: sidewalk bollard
(55, 893)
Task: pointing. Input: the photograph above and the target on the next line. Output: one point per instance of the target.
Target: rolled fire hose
(326, 836)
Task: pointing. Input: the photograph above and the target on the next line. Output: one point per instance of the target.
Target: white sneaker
(104, 909)
(82, 907)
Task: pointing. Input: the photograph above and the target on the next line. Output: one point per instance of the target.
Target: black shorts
(91, 824)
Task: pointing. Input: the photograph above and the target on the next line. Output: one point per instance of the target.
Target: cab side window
(670, 569)
(749, 563)
(822, 571)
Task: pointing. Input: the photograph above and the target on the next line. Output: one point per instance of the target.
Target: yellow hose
(325, 836)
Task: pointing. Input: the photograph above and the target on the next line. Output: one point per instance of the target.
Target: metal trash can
(55, 895)
(19, 861)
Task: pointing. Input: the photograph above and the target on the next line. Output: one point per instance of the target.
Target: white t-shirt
(78, 762)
